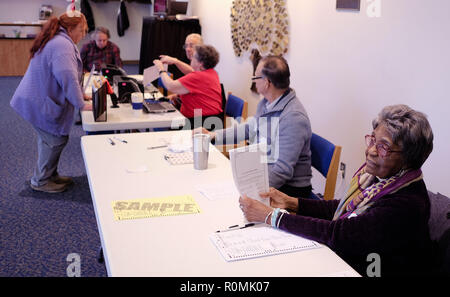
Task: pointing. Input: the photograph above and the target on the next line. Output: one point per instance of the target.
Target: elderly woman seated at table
(384, 215)
(199, 91)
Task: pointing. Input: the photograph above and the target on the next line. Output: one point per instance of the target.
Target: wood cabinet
(15, 53)
(14, 56)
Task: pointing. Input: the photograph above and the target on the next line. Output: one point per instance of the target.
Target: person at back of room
(192, 40)
(200, 91)
(100, 51)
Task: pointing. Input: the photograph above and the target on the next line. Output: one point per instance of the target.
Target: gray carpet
(38, 230)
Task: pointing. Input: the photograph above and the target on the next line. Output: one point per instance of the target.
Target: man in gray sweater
(282, 123)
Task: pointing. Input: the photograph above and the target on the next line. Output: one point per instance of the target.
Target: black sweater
(395, 227)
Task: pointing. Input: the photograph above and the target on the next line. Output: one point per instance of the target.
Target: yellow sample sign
(154, 207)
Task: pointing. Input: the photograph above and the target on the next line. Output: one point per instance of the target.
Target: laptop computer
(154, 106)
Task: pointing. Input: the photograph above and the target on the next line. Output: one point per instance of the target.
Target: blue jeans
(49, 150)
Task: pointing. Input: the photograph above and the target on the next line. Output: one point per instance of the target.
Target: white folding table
(124, 118)
(177, 246)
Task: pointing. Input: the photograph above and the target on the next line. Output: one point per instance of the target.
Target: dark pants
(303, 192)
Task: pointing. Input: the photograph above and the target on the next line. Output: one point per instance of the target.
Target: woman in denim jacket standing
(49, 93)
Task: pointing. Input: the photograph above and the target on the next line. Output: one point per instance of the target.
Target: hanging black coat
(87, 11)
(123, 22)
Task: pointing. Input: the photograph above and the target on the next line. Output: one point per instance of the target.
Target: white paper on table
(218, 191)
(154, 96)
(250, 171)
(151, 73)
(180, 143)
(257, 242)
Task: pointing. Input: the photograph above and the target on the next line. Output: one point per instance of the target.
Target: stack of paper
(250, 171)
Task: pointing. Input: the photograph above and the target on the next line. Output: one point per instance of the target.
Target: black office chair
(439, 227)
(224, 103)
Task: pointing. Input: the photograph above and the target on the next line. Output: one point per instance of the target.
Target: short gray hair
(101, 30)
(196, 36)
(410, 130)
(276, 69)
(207, 55)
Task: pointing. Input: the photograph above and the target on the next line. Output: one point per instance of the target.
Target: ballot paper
(254, 242)
(250, 170)
(151, 73)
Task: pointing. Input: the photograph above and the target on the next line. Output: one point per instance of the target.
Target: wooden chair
(325, 157)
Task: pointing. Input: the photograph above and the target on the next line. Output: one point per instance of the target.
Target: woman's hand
(175, 100)
(87, 106)
(158, 64)
(173, 97)
(280, 200)
(254, 211)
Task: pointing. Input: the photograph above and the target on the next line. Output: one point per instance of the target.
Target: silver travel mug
(201, 149)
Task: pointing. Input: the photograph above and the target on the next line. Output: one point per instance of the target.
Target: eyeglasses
(382, 149)
(257, 77)
(188, 45)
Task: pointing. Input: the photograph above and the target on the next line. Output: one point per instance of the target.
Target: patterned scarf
(365, 189)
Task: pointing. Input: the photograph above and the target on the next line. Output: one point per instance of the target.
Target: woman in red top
(200, 91)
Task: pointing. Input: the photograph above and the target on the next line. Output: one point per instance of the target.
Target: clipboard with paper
(250, 170)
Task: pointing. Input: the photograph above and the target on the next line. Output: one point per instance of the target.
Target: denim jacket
(50, 89)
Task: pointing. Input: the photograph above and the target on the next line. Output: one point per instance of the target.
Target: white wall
(346, 66)
(105, 14)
